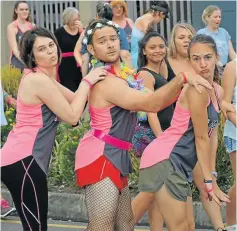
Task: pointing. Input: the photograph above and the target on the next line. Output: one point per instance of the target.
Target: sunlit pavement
(13, 224)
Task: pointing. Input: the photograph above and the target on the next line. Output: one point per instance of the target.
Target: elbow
(72, 120)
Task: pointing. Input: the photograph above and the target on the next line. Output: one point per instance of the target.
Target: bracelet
(88, 82)
(209, 190)
(184, 77)
(214, 174)
(5, 94)
(207, 181)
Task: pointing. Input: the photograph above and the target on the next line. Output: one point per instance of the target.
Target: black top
(171, 73)
(69, 74)
(165, 115)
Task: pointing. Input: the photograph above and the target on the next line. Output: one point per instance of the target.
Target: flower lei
(127, 74)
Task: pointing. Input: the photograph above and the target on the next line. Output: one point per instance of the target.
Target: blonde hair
(172, 48)
(123, 4)
(208, 12)
(68, 13)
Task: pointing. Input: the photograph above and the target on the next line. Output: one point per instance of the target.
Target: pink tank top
(33, 134)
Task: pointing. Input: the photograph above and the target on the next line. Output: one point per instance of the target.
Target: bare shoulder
(109, 82)
(130, 21)
(231, 65)
(193, 95)
(143, 74)
(11, 27)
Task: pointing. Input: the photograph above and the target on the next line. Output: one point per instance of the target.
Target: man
(102, 159)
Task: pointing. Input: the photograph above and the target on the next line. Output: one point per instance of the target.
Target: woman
(120, 17)
(181, 35)
(103, 11)
(152, 52)
(211, 17)
(229, 86)
(157, 12)
(102, 160)
(67, 37)
(41, 103)
(178, 61)
(165, 175)
(21, 22)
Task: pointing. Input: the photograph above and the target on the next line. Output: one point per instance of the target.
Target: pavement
(13, 224)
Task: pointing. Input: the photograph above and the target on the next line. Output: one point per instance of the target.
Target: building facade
(48, 14)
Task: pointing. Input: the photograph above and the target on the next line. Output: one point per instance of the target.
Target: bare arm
(213, 148)
(77, 49)
(85, 64)
(199, 116)
(48, 92)
(117, 92)
(11, 36)
(228, 84)
(232, 52)
(69, 95)
(153, 120)
(126, 58)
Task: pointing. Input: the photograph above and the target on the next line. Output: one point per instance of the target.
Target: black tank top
(171, 73)
(165, 115)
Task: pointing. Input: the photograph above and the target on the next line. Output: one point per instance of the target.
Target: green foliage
(63, 158)
(10, 80)
(10, 114)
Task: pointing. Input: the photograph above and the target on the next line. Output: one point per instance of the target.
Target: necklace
(128, 75)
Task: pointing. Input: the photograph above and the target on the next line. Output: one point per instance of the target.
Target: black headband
(161, 9)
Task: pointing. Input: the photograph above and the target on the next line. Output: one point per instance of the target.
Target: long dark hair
(142, 60)
(206, 39)
(27, 42)
(14, 16)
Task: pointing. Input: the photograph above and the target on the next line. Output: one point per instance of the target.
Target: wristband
(184, 77)
(208, 181)
(214, 174)
(5, 94)
(88, 82)
(209, 190)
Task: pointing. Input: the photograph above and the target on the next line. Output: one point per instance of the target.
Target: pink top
(33, 134)
(100, 119)
(167, 139)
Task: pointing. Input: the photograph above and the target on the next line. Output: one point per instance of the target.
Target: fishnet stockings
(108, 210)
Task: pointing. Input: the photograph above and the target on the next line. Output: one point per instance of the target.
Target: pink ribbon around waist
(113, 141)
(65, 55)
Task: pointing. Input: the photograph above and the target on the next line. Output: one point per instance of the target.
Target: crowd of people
(163, 101)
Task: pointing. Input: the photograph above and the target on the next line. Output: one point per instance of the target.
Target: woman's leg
(211, 207)
(190, 214)
(155, 219)
(102, 200)
(231, 207)
(124, 217)
(173, 211)
(140, 204)
(27, 184)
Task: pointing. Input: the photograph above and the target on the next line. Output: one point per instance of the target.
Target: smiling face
(155, 50)
(105, 45)
(22, 11)
(45, 52)
(182, 40)
(214, 19)
(203, 59)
